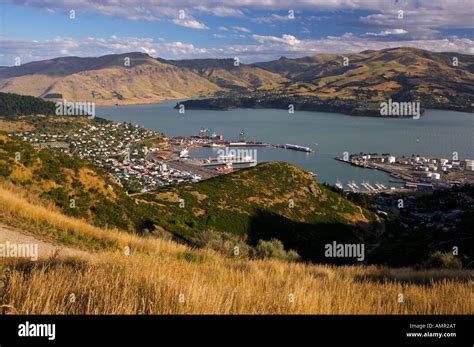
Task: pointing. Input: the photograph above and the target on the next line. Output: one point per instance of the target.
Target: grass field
(160, 276)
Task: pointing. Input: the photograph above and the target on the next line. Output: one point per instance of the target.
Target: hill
(131, 274)
(294, 69)
(14, 105)
(438, 80)
(105, 80)
(272, 200)
(109, 80)
(74, 185)
(226, 75)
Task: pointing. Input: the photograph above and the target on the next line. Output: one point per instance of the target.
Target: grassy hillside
(105, 80)
(162, 277)
(272, 200)
(60, 178)
(370, 76)
(108, 80)
(226, 75)
(400, 73)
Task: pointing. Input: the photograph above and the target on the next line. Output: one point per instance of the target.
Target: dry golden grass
(113, 283)
(164, 277)
(17, 204)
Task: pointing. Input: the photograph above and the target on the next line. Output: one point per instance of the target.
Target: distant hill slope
(107, 80)
(403, 73)
(439, 80)
(226, 75)
(294, 69)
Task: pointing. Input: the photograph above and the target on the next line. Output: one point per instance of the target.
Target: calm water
(437, 133)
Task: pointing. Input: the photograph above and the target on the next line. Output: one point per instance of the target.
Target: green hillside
(12, 105)
(271, 200)
(74, 185)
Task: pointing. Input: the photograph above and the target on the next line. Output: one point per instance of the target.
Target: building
(470, 165)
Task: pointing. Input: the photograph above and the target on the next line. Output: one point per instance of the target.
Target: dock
(192, 167)
(439, 172)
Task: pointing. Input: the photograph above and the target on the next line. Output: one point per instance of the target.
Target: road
(45, 247)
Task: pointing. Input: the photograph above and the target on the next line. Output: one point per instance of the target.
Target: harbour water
(437, 133)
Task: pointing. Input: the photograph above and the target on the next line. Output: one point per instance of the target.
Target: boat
(184, 153)
(217, 145)
(365, 185)
(227, 168)
(298, 148)
(225, 158)
(339, 184)
(353, 186)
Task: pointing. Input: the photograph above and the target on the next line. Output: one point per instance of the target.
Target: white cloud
(423, 19)
(242, 29)
(221, 11)
(286, 39)
(389, 32)
(265, 47)
(190, 23)
(270, 19)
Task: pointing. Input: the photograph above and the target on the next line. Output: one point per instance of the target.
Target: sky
(252, 30)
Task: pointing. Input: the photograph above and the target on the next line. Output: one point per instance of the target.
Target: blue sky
(252, 30)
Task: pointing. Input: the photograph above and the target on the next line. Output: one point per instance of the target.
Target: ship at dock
(228, 167)
(298, 148)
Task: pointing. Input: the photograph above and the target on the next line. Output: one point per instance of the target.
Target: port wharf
(418, 172)
(177, 155)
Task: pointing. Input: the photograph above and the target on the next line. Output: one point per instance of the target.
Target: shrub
(274, 249)
(443, 260)
(192, 257)
(225, 243)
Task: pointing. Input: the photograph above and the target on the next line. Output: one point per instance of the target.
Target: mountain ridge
(438, 80)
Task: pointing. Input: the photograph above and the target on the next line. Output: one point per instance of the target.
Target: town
(142, 160)
(137, 157)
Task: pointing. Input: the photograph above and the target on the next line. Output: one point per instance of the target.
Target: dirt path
(44, 248)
